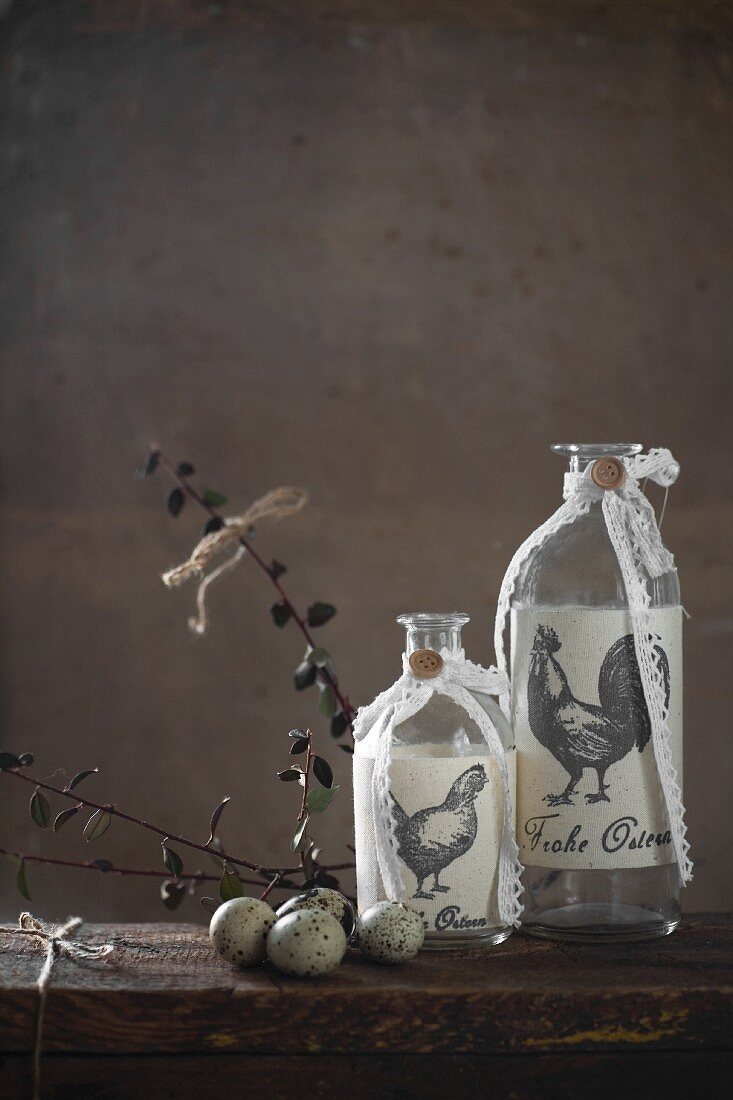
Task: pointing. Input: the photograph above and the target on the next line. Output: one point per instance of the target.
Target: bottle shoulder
(577, 566)
(442, 728)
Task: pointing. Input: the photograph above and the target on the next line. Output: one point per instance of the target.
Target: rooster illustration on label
(585, 735)
(431, 839)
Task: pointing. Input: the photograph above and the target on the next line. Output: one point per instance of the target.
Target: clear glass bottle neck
(432, 631)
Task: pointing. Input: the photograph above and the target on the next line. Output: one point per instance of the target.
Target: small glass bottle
(448, 804)
(569, 602)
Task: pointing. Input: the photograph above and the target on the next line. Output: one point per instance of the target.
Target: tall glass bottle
(573, 677)
(449, 800)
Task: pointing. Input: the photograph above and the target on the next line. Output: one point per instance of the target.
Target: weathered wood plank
(164, 991)
(362, 1077)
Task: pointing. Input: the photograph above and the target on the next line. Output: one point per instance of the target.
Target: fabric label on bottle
(588, 792)
(448, 820)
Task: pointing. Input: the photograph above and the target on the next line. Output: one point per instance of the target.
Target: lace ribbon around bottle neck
(457, 679)
(634, 535)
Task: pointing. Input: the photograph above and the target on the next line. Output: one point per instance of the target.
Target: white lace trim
(457, 680)
(634, 535)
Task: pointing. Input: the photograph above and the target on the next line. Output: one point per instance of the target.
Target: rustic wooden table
(164, 1016)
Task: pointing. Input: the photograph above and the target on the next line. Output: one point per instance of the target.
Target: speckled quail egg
(239, 928)
(389, 932)
(320, 897)
(307, 943)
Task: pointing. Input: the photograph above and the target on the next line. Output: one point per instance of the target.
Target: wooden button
(425, 663)
(608, 472)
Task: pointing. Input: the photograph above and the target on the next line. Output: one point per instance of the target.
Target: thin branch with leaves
(231, 883)
(316, 667)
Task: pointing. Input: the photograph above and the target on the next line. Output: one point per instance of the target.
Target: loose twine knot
(56, 939)
(284, 501)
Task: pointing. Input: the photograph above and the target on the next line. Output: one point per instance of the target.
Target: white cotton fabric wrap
(457, 680)
(634, 536)
(630, 828)
(469, 899)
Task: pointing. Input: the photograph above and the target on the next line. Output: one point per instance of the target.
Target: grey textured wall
(386, 251)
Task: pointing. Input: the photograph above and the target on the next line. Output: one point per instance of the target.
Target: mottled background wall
(388, 251)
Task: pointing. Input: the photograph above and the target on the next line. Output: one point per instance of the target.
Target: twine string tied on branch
(280, 502)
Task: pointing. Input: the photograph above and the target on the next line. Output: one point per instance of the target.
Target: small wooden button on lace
(425, 663)
(608, 473)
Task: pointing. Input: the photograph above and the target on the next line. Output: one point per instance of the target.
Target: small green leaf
(8, 760)
(230, 885)
(290, 775)
(277, 569)
(172, 893)
(78, 778)
(319, 613)
(299, 746)
(97, 825)
(304, 676)
(322, 771)
(25, 759)
(214, 499)
(328, 704)
(171, 860)
(339, 724)
(149, 466)
(319, 798)
(22, 883)
(65, 816)
(214, 524)
(318, 657)
(209, 904)
(215, 819)
(185, 469)
(281, 613)
(299, 834)
(40, 810)
(347, 748)
(297, 733)
(175, 501)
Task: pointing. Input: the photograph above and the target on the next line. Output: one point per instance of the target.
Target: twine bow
(284, 501)
(56, 939)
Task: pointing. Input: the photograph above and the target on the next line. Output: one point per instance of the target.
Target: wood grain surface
(163, 991)
(366, 1077)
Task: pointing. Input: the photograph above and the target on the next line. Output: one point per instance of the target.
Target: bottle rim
(433, 619)
(596, 450)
